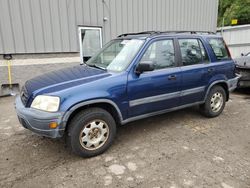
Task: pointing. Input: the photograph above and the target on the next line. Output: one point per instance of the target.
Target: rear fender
(222, 83)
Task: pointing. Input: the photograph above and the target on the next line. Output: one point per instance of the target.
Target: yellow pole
(9, 73)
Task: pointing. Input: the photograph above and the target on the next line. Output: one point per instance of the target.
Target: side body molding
(95, 101)
(108, 101)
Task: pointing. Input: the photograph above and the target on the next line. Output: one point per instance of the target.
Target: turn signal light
(53, 125)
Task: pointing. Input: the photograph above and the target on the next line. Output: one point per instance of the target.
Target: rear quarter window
(219, 48)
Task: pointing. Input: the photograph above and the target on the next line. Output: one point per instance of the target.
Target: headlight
(46, 103)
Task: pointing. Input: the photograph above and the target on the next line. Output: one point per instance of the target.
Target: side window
(161, 53)
(219, 48)
(192, 51)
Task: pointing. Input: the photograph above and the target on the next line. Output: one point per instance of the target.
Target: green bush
(234, 9)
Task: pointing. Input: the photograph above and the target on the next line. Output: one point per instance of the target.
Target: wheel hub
(94, 134)
(216, 102)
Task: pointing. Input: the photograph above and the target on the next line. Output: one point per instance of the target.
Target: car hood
(63, 79)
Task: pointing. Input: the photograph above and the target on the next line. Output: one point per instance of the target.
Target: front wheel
(215, 102)
(91, 132)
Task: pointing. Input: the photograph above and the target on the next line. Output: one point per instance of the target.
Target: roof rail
(140, 33)
(163, 32)
(191, 32)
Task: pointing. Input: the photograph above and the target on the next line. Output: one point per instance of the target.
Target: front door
(156, 90)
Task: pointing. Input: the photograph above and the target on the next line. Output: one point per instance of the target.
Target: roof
(150, 34)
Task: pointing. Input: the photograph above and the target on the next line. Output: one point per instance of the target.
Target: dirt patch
(178, 149)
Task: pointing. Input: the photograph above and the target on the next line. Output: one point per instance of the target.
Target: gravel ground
(178, 149)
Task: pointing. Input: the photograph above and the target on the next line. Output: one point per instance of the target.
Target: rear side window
(192, 51)
(219, 49)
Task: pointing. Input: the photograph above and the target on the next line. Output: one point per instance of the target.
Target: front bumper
(233, 83)
(38, 121)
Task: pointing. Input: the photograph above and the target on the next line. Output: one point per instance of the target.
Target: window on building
(219, 48)
(161, 53)
(90, 41)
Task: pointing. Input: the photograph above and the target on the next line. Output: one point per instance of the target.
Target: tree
(234, 9)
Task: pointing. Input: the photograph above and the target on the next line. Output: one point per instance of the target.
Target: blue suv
(135, 76)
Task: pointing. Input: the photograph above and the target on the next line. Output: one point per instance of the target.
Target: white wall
(49, 26)
(237, 39)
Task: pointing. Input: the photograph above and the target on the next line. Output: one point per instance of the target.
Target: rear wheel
(215, 102)
(91, 132)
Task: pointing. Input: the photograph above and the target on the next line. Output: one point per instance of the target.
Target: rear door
(195, 70)
(222, 64)
(159, 89)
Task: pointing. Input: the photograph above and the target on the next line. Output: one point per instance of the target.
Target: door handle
(172, 77)
(210, 70)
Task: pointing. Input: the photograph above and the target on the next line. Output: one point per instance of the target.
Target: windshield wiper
(94, 65)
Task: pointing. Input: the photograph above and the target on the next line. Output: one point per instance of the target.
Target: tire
(215, 102)
(91, 132)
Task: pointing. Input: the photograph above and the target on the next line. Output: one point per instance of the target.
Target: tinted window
(161, 53)
(192, 51)
(219, 48)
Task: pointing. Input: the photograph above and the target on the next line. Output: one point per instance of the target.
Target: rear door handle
(172, 77)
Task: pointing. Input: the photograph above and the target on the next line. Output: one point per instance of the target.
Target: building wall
(50, 26)
(237, 39)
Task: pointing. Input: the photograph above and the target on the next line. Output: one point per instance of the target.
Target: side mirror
(145, 66)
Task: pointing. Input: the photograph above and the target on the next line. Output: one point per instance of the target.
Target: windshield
(116, 55)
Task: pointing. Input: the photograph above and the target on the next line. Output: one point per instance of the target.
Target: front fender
(93, 101)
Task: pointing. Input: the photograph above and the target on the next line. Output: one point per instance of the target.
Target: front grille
(24, 96)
